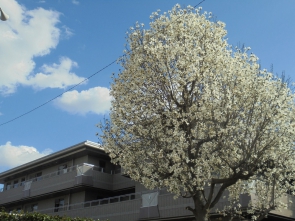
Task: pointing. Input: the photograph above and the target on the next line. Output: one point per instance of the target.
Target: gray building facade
(80, 181)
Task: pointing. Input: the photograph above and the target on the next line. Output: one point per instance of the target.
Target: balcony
(83, 174)
(123, 207)
(129, 207)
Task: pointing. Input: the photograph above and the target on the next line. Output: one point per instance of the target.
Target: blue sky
(47, 46)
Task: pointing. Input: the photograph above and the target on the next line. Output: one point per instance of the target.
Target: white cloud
(75, 2)
(12, 156)
(67, 32)
(55, 75)
(95, 100)
(26, 35)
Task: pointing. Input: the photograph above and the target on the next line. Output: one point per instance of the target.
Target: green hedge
(4, 216)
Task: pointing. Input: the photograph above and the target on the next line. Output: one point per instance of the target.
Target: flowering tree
(200, 119)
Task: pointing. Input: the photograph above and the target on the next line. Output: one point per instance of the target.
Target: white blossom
(191, 114)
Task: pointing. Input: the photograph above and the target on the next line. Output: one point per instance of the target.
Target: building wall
(49, 203)
(80, 160)
(94, 195)
(121, 211)
(139, 188)
(55, 167)
(77, 197)
(97, 162)
(107, 185)
(48, 170)
(93, 160)
(120, 182)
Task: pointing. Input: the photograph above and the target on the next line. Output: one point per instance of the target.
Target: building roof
(78, 149)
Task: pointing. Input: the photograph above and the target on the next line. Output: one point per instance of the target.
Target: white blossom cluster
(190, 112)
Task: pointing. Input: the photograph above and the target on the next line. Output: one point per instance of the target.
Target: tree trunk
(201, 216)
(200, 211)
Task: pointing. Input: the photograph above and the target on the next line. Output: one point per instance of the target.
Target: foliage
(193, 115)
(34, 216)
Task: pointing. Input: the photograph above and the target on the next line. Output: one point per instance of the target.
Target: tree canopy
(200, 118)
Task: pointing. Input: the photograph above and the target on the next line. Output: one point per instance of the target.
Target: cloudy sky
(48, 46)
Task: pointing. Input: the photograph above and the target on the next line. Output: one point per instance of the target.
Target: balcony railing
(82, 169)
(127, 207)
(94, 203)
(82, 174)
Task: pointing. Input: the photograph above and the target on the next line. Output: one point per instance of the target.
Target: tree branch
(192, 210)
(207, 205)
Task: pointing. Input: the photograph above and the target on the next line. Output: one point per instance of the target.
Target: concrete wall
(55, 167)
(80, 160)
(55, 182)
(129, 210)
(49, 203)
(139, 187)
(48, 170)
(121, 182)
(11, 182)
(52, 184)
(95, 161)
(92, 195)
(77, 197)
(121, 211)
(102, 180)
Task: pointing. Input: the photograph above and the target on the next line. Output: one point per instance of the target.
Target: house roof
(77, 150)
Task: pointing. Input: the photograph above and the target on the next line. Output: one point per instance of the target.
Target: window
(34, 207)
(62, 169)
(22, 181)
(38, 176)
(102, 165)
(18, 209)
(59, 205)
(8, 186)
(15, 184)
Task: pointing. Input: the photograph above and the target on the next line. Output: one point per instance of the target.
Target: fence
(82, 169)
(93, 203)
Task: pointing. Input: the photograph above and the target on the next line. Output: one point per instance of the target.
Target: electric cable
(71, 88)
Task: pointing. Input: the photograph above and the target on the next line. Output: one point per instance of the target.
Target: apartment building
(80, 181)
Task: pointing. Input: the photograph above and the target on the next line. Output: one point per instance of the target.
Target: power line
(71, 88)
